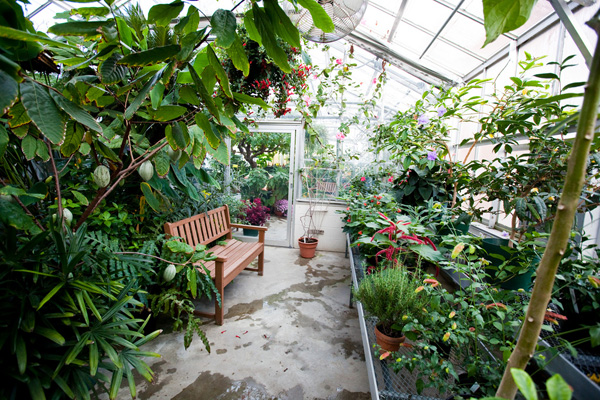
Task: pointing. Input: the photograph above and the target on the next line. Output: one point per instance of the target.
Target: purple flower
(423, 119)
(441, 111)
(432, 155)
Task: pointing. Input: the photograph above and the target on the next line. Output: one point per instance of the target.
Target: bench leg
(261, 263)
(221, 288)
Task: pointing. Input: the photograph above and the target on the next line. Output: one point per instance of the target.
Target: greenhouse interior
(300, 199)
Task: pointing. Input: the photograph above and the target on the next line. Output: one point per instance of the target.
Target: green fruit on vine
(101, 176)
(146, 170)
(174, 155)
(169, 273)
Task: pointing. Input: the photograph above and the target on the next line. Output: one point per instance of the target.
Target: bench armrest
(255, 227)
(221, 259)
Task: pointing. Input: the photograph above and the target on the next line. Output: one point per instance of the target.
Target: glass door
(262, 162)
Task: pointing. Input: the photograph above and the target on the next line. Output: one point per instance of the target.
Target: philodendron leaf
(75, 111)
(223, 25)
(80, 28)
(42, 111)
(150, 57)
(163, 14)
(501, 16)
(320, 17)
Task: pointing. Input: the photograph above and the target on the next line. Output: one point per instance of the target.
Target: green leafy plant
(73, 327)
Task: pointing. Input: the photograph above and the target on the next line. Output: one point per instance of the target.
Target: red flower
(432, 282)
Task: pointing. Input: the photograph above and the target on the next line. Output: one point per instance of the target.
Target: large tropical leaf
(73, 137)
(9, 89)
(17, 34)
(75, 111)
(282, 24)
(244, 98)
(137, 102)
(238, 56)
(219, 71)
(150, 57)
(206, 97)
(223, 25)
(503, 16)
(163, 14)
(110, 70)
(3, 140)
(149, 196)
(43, 111)
(80, 28)
(203, 123)
(321, 19)
(167, 113)
(267, 34)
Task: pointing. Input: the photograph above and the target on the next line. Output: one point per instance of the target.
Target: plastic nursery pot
(308, 246)
(388, 343)
(455, 229)
(515, 281)
(250, 232)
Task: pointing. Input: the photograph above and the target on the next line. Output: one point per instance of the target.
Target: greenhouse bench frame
(232, 258)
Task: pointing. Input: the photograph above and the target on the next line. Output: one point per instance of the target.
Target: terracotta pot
(308, 247)
(387, 342)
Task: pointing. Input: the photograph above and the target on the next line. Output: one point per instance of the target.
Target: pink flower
(390, 179)
(374, 81)
(362, 179)
(340, 136)
(338, 61)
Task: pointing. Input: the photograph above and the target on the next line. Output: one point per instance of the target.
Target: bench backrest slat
(202, 228)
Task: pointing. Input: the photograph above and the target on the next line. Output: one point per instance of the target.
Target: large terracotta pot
(387, 342)
(307, 247)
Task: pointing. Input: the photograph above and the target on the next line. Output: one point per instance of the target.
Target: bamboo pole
(561, 229)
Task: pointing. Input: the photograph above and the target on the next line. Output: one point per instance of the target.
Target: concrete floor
(287, 335)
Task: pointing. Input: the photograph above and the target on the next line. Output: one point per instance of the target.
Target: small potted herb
(391, 296)
(255, 214)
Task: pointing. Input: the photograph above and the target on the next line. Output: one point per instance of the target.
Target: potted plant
(392, 297)
(255, 214)
(281, 208)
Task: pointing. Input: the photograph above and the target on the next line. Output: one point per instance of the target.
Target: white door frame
(296, 131)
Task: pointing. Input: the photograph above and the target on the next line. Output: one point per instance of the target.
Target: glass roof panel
(427, 13)
(457, 61)
(411, 38)
(377, 23)
(386, 5)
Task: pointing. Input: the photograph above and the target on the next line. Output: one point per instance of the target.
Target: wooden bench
(232, 258)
